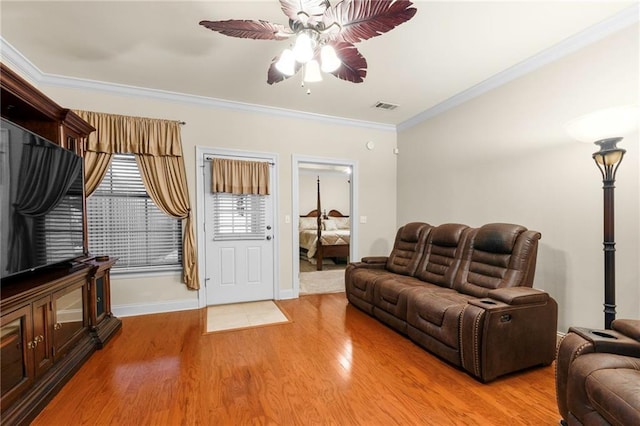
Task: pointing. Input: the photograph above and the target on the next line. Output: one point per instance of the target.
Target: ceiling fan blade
(354, 65)
(364, 19)
(257, 30)
(314, 9)
(275, 76)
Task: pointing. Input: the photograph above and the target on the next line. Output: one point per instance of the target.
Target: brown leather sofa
(598, 375)
(463, 294)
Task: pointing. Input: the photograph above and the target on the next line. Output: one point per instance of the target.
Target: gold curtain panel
(158, 149)
(240, 177)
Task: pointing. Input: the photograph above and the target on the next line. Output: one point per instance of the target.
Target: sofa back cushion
(408, 248)
(497, 255)
(443, 254)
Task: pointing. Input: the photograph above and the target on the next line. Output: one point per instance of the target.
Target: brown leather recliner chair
(598, 375)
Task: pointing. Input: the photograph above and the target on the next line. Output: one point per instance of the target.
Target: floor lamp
(605, 127)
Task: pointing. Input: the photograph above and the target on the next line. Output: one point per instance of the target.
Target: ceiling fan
(324, 35)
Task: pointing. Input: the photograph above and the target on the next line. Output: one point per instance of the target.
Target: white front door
(239, 244)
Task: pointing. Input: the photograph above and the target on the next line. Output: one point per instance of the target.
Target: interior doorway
(325, 211)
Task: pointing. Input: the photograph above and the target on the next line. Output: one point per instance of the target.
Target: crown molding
(19, 63)
(597, 32)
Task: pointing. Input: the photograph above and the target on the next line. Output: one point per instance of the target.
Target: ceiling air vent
(385, 105)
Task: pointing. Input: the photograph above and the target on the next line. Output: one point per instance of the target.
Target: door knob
(268, 227)
(268, 237)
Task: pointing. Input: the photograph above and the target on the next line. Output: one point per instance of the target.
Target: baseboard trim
(286, 294)
(135, 309)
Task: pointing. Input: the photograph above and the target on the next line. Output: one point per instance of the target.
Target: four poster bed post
(327, 242)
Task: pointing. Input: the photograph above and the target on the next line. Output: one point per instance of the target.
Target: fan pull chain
(302, 81)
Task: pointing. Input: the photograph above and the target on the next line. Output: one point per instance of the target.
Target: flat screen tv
(41, 196)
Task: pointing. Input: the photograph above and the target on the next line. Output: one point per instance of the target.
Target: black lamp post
(607, 126)
(608, 160)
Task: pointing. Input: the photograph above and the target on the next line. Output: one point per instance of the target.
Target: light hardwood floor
(333, 365)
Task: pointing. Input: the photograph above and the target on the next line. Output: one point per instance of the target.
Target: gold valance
(240, 176)
(123, 134)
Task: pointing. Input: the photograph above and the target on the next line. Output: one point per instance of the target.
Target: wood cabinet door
(16, 354)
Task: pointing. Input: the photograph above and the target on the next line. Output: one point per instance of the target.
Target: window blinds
(125, 223)
(238, 217)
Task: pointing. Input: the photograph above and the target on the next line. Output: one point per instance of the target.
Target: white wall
(505, 157)
(252, 131)
(334, 191)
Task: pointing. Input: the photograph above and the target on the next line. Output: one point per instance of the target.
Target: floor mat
(243, 315)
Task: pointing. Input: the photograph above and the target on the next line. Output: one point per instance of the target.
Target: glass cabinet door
(69, 317)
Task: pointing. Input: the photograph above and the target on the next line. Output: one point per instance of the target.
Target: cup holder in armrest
(603, 334)
(610, 341)
(488, 304)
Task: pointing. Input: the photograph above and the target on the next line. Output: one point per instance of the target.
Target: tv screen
(41, 196)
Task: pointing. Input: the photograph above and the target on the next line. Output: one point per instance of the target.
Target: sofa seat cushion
(615, 394)
(437, 314)
(391, 293)
(361, 281)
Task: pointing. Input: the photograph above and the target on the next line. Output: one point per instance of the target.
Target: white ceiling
(446, 49)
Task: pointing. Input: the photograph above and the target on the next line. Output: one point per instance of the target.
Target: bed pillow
(330, 225)
(308, 223)
(341, 222)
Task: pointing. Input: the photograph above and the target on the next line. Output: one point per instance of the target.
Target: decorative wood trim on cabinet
(103, 324)
(48, 362)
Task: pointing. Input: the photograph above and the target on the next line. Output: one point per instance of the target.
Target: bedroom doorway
(323, 223)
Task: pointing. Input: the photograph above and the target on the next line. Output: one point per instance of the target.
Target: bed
(324, 235)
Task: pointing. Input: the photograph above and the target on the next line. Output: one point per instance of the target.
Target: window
(125, 223)
(62, 228)
(238, 217)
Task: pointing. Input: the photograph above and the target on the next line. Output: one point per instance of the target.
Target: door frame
(295, 208)
(201, 151)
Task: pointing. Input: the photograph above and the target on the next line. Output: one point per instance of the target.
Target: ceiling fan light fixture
(329, 59)
(312, 72)
(304, 48)
(287, 63)
(316, 23)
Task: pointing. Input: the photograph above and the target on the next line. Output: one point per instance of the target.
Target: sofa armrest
(375, 259)
(358, 265)
(519, 295)
(608, 341)
(512, 330)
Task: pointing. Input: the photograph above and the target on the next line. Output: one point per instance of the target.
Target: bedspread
(308, 239)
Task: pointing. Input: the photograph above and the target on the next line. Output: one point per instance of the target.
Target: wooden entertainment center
(53, 318)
